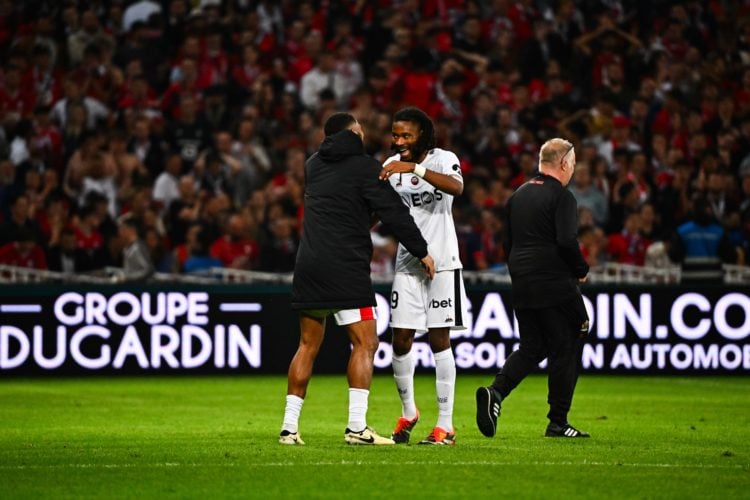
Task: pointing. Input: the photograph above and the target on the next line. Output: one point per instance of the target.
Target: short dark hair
(17, 196)
(25, 234)
(426, 140)
(701, 212)
(625, 189)
(134, 223)
(338, 122)
(202, 244)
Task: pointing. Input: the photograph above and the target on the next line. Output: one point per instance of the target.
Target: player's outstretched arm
(445, 183)
(387, 205)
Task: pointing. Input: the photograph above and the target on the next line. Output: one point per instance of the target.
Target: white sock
(357, 409)
(291, 413)
(403, 374)
(445, 382)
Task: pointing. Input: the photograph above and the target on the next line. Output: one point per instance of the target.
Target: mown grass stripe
(459, 463)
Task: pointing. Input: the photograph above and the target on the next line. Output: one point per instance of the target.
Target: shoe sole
(400, 439)
(485, 422)
(359, 442)
(435, 443)
(565, 436)
(356, 439)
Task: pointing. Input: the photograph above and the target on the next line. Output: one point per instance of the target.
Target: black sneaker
(564, 431)
(488, 410)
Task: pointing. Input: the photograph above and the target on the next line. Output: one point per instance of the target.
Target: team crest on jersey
(414, 180)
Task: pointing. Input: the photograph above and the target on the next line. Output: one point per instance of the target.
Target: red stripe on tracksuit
(366, 313)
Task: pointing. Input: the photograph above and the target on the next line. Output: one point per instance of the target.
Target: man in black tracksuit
(332, 271)
(546, 266)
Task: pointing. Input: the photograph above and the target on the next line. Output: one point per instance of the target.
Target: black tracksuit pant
(545, 333)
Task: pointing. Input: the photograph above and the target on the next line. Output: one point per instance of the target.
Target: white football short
(418, 303)
(343, 316)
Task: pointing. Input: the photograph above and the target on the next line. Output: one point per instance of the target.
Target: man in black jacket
(546, 266)
(332, 272)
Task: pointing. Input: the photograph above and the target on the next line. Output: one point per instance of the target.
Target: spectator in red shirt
(303, 59)
(527, 169)
(628, 246)
(97, 79)
(23, 252)
(673, 41)
(138, 98)
(236, 249)
(88, 237)
(294, 44)
(16, 102)
(186, 84)
(42, 77)
(380, 87)
(523, 13)
(52, 213)
(419, 84)
(216, 62)
(247, 70)
(490, 253)
(46, 139)
(592, 240)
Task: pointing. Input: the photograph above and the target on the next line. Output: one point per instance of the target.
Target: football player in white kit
(427, 178)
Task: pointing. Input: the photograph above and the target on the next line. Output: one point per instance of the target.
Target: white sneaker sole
(371, 439)
(291, 440)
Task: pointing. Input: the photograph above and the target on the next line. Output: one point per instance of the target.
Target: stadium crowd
(194, 119)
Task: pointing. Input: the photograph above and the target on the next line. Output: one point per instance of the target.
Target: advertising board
(240, 329)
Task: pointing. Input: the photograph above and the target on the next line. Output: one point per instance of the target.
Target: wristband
(419, 170)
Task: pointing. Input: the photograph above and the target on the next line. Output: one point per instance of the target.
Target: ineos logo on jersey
(420, 199)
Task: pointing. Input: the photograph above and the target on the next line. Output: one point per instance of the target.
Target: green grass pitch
(193, 437)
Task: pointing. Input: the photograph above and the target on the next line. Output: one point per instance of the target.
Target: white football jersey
(431, 210)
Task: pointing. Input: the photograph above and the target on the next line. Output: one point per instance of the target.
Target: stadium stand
(194, 118)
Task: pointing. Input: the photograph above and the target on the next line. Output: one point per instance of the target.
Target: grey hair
(554, 151)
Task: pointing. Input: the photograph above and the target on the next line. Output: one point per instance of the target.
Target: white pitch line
(501, 463)
(380, 462)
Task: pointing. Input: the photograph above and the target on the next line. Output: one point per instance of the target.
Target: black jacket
(545, 260)
(81, 260)
(342, 191)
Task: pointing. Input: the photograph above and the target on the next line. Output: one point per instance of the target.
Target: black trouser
(545, 333)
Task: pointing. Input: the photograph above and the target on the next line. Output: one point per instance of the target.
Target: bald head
(557, 158)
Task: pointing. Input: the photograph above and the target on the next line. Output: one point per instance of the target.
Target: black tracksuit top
(342, 191)
(545, 260)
